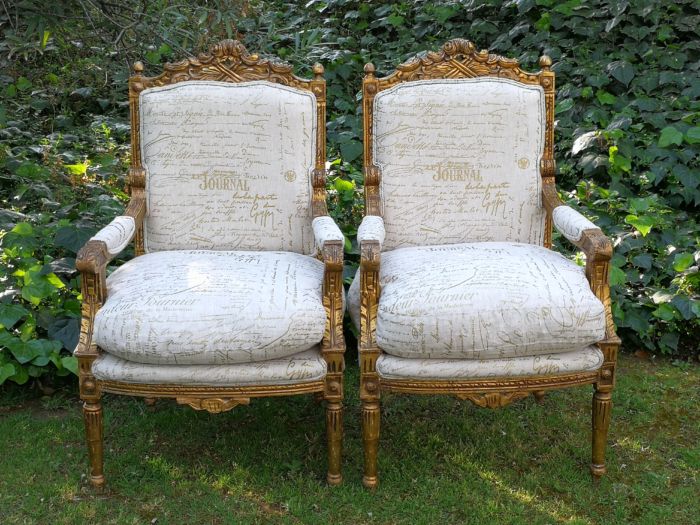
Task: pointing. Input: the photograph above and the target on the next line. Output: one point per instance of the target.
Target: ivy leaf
(670, 135)
(564, 106)
(605, 98)
(6, 371)
(617, 276)
(10, 314)
(351, 150)
(622, 71)
(683, 261)
(72, 238)
(692, 136)
(70, 363)
(643, 223)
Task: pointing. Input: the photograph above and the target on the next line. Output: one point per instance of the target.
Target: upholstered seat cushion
(212, 307)
(588, 359)
(306, 366)
(482, 301)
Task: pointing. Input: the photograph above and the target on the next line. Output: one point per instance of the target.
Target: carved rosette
(213, 405)
(493, 399)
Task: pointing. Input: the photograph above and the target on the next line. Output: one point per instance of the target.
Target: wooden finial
(318, 71)
(545, 62)
(369, 69)
(138, 67)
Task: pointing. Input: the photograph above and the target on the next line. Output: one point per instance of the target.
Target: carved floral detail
(213, 405)
(493, 399)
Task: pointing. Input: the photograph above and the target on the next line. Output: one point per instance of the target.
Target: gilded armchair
(458, 291)
(236, 288)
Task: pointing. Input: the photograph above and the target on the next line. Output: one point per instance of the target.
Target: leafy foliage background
(628, 133)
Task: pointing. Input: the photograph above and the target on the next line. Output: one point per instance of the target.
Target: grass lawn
(441, 460)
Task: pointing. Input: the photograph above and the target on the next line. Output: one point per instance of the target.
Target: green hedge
(628, 129)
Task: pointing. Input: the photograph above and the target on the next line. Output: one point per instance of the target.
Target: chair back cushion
(460, 161)
(228, 166)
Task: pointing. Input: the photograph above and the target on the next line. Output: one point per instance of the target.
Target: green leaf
(343, 185)
(617, 276)
(72, 238)
(23, 84)
(23, 228)
(683, 261)
(70, 363)
(605, 98)
(692, 136)
(665, 311)
(45, 39)
(351, 150)
(6, 371)
(21, 376)
(564, 106)
(77, 169)
(670, 135)
(10, 314)
(622, 71)
(643, 223)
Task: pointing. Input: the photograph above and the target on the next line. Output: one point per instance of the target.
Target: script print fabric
(212, 307)
(482, 301)
(460, 161)
(228, 166)
(586, 359)
(299, 368)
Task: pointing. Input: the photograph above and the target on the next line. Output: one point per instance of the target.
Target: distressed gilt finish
(227, 61)
(460, 59)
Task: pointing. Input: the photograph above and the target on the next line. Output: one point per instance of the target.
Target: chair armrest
(326, 231)
(330, 242)
(594, 243)
(111, 240)
(371, 229)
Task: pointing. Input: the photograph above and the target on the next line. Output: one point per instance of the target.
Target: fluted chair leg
(92, 415)
(370, 438)
(334, 429)
(602, 406)
(539, 396)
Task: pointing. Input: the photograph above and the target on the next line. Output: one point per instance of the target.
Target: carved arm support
(370, 236)
(92, 262)
(592, 241)
(330, 242)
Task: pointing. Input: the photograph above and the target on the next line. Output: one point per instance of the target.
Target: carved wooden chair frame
(460, 59)
(227, 61)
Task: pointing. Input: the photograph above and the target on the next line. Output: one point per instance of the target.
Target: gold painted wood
(213, 405)
(227, 61)
(493, 399)
(459, 58)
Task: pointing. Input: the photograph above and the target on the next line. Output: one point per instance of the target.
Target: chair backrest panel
(460, 161)
(228, 166)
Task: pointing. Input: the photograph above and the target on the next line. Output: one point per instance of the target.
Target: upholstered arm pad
(371, 229)
(326, 230)
(117, 234)
(570, 223)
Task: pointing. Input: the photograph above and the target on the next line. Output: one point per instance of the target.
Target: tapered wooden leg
(334, 429)
(539, 396)
(602, 406)
(370, 438)
(92, 415)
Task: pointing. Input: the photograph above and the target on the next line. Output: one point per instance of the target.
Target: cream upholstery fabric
(303, 367)
(570, 223)
(586, 359)
(371, 229)
(212, 307)
(482, 301)
(325, 229)
(228, 166)
(460, 161)
(117, 234)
